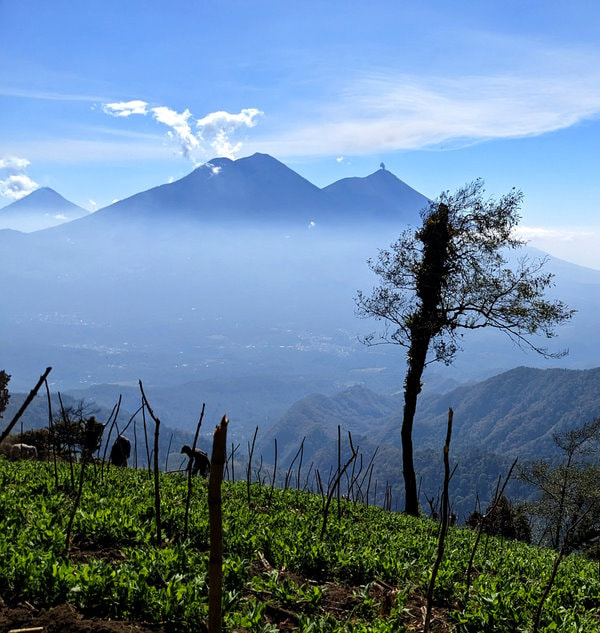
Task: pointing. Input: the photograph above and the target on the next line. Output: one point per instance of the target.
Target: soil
(65, 619)
(339, 601)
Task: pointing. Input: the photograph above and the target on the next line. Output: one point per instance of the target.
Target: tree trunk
(427, 323)
(412, 387)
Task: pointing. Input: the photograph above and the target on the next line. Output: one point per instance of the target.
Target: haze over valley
(235, 285)
(192, 202)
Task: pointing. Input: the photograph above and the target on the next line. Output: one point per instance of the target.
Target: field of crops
(369, 573)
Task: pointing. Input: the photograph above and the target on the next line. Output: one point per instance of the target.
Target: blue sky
(102, 99)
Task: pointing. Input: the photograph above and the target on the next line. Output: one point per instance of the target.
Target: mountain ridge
(364, 194)
(512, 414)
(41, 209)
(170, 300)
(515, 412)
(260, 188)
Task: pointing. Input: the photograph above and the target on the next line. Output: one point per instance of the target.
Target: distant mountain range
(41, 209)
(316, 418)
(242, 268)
(515, 413)
(260, 188)
(234, 286)
(257, 189)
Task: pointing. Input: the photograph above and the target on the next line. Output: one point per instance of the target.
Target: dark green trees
(4, 395)
(503, 519)
(453, 275)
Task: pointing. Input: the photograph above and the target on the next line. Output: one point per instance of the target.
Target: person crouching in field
(199, 462)
(120, 451)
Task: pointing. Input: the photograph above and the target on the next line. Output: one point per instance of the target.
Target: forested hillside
(514, 414)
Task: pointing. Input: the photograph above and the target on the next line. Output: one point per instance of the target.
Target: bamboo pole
(156, 480)
(444, 525)
(189, 475)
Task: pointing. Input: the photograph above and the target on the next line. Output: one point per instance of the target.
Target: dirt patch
(343, 602)
(84, 550)
(416, 608)
(65, 619)
(349, 602)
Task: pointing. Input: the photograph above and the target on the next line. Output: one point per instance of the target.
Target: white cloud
(222, 120)
(556, 234)
(223, 147)
(61, 216)
(92, 205)
(17, 186)
(575, 244)
(216, 128)
(215, 169)
(180, 127)
(339, 159)
(14, 163)
(14, 182)
(125, 108)
(213, 130)
(390, 111)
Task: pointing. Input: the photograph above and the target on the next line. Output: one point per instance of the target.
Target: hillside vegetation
(369, 573)
(513, 414)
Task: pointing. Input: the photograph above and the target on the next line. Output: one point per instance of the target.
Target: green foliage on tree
(4, 395)
(76, 430)
(453, 275)
(505, 520)
(569, 502)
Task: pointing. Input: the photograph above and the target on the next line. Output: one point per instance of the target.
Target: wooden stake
(215, 561)
(21, 411)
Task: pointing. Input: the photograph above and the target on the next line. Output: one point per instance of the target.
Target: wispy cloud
(576, 244)
(215, 169)
(555, 234)
(13, 163)
(387, 111)
(213, 130)
(14, 182)
(180, 128)
(47, 95)
(217, 127)
(95, 150)
(125, 108)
